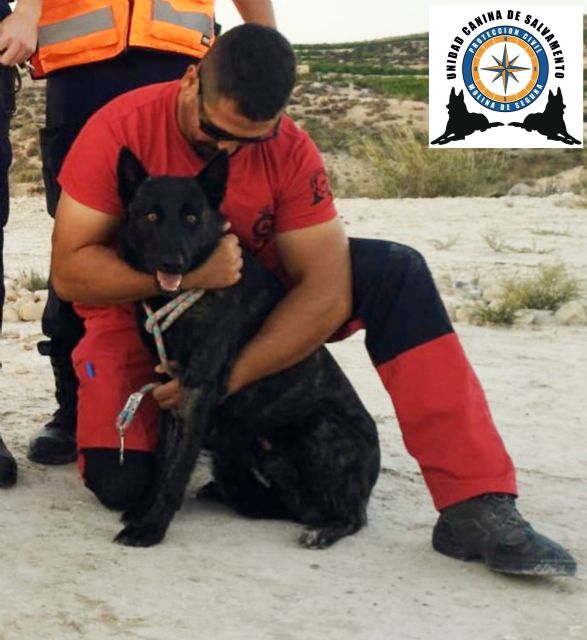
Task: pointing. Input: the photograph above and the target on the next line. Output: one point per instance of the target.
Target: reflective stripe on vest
(164, 12)
(76, 27)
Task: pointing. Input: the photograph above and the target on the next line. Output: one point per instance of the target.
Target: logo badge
(509, 77)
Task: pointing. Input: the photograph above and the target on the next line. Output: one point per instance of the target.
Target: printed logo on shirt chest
(320, 186)
(263, 228)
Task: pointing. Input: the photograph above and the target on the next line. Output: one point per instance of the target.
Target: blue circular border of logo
(542, 59)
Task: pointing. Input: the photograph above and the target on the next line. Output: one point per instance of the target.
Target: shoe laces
(504, 506)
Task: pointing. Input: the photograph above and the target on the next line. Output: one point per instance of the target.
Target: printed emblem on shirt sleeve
(263, 228)
(320, 186)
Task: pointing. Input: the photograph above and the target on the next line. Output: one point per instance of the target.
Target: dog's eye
(152, 217)
(191, 218)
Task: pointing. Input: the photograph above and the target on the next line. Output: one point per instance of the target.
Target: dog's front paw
(135, 513)
(140, 535)
(322, 538)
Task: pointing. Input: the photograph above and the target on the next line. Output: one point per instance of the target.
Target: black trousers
(73, 96)
(6, 110)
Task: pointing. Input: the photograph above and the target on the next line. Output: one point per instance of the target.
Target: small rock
(521, 189)
(493, 292)
(473, 293)
(41, 295)
(10, 314)
(571, 313)
(24, 299)
(10, 295)
(463, 314)
(544, 317)
(31, 311)
(524, 317)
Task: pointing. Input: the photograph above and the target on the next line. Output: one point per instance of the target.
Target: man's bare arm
(86, 268)
(260, 11)
(317, 258)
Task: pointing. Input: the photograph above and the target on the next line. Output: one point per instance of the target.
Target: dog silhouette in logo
(461, 122)
(549, 122)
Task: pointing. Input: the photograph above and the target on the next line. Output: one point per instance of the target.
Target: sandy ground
(219, 576)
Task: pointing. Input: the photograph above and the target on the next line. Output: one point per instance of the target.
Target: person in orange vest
(89, 57)
(18, 37)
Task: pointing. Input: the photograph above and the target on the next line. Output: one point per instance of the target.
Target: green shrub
(32, 280)
(549, 289)
(401, 87)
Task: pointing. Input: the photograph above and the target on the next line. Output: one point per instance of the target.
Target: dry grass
(406, 167)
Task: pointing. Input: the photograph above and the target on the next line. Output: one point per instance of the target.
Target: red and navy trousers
(441, 408)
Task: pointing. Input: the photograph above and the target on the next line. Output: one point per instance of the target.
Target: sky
(311, 21)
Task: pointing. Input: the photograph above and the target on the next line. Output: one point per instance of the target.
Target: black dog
(550, 122)
(298, 444)
(461, 122)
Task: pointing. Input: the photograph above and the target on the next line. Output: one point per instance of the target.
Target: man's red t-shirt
(275, 186)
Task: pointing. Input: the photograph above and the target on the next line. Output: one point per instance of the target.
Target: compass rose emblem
(505, 68)
(506, 72)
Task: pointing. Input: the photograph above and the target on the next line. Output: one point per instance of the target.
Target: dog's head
(555, 101)
(170, 224)
(456, 103)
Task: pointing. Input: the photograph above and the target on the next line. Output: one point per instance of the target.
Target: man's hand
(222, 269)
(18, 33)
(167, 395)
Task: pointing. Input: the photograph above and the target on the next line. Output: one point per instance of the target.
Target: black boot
(491, 529)
(55, 442)
(7, 466)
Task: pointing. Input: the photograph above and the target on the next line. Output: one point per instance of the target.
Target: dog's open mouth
(169, 281)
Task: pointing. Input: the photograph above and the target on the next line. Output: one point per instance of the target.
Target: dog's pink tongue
(169, 281)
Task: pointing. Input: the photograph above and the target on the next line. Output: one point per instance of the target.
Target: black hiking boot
(8, 470)
(491, 529)
(55, 442)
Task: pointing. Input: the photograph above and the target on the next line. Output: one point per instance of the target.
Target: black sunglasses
(212, 131)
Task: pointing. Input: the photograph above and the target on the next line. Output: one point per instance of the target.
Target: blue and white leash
(167, 315)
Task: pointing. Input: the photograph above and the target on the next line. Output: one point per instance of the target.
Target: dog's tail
(495, 124)
(516, 124)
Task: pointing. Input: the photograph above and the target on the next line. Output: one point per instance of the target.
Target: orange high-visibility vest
(84, 31)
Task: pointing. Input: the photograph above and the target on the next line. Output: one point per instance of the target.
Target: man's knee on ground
(118, 486)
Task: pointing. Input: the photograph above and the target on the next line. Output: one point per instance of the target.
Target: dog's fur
(550, 122)
(298, 444)
(461, 122)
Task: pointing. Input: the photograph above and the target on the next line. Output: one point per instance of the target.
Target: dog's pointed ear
(550, 94)
(213, 178)
(131, 174)
(559, 93)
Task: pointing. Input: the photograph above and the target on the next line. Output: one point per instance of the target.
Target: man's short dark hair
(253, 65)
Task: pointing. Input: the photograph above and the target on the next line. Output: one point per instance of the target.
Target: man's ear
(131, 174)
(213, 178)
